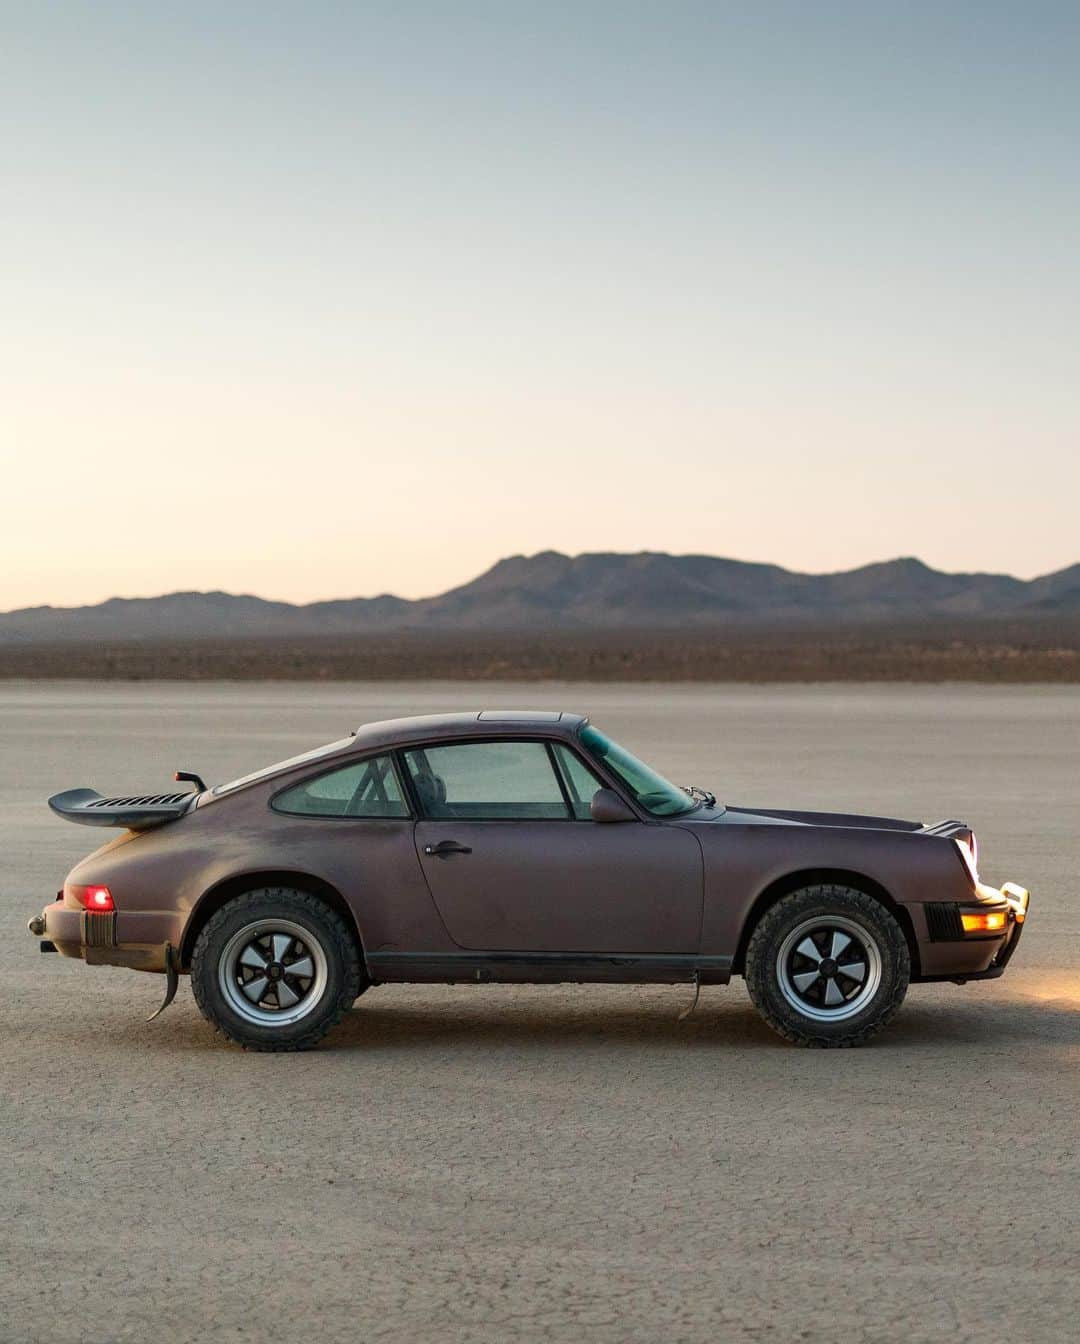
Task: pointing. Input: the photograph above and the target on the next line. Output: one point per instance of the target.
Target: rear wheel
(275, 969)
(827, 966)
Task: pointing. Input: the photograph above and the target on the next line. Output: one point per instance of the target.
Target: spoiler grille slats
(140, 800)
(135, 811)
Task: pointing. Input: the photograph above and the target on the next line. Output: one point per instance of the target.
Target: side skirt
(546, 968)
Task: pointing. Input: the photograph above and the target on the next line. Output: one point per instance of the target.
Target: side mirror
(606, 805)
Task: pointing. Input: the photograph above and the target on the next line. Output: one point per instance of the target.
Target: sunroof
(520, 716)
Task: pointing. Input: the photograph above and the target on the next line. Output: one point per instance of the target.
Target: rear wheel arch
(211, 901)
(816, 877)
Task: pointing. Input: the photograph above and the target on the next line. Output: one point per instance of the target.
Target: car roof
(473, 723)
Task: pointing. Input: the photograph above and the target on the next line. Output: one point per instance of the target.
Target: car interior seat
(431, 789)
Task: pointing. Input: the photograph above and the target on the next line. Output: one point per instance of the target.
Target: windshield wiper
(702, 796)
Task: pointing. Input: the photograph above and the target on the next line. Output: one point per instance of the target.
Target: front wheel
(275, 969)
(827, 966)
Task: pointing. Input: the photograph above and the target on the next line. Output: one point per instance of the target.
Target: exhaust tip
(37, 925)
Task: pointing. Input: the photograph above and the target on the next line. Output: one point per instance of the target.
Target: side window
(363, 789)
(580, 781)
(487, 781)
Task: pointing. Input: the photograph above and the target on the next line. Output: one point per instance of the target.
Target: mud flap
(697, 994)
(172, 980)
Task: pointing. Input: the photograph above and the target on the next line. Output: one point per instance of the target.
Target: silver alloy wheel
(272, 972)
(829, 968)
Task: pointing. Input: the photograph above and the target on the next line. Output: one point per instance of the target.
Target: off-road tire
(763, 978)
(344, 975)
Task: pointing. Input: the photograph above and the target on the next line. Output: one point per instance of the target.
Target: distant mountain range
(610, 591)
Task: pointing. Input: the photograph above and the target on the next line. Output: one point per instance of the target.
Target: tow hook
(172, 980)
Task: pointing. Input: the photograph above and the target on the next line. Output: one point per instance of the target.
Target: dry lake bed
(560, 1163)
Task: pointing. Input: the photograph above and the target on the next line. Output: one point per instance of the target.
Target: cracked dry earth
(563, 1164)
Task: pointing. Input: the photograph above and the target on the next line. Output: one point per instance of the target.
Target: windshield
(653, 792)
(269, 770)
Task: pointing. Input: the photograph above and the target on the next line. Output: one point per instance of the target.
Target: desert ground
(560, 1163)
(999, 652)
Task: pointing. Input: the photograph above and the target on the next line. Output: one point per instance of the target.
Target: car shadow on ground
(373, 1026)
(391, 1018)
(377, 1022)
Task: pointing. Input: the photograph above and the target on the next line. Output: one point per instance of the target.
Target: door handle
(446, 847)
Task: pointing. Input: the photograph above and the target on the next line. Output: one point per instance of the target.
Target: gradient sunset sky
(316, 300)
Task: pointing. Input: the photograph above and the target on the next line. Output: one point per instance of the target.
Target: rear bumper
(132, 938)
(950, 954)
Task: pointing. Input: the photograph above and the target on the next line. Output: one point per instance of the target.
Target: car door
(514, 863)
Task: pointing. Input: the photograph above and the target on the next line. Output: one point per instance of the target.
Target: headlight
(969, 852)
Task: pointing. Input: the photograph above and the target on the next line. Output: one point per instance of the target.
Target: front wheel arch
(211, 901)
(815, 877)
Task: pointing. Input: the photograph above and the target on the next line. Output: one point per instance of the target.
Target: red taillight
(98, 900)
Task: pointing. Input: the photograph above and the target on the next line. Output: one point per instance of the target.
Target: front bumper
(951, 954)
(1017, 899)
(136, 939)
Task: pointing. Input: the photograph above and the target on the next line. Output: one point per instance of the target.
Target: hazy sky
(318, 300)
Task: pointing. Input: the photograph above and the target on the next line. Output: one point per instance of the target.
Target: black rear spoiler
(951, 830)
(137, 812)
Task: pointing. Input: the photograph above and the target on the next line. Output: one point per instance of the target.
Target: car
(506, 846)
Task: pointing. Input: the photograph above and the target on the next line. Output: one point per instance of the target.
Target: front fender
(742, 863)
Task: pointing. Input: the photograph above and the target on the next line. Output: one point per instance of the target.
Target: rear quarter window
(363, 789)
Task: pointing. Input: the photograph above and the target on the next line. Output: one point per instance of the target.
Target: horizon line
(536, 555)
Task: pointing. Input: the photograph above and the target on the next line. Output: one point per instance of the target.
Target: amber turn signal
(983, 921)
